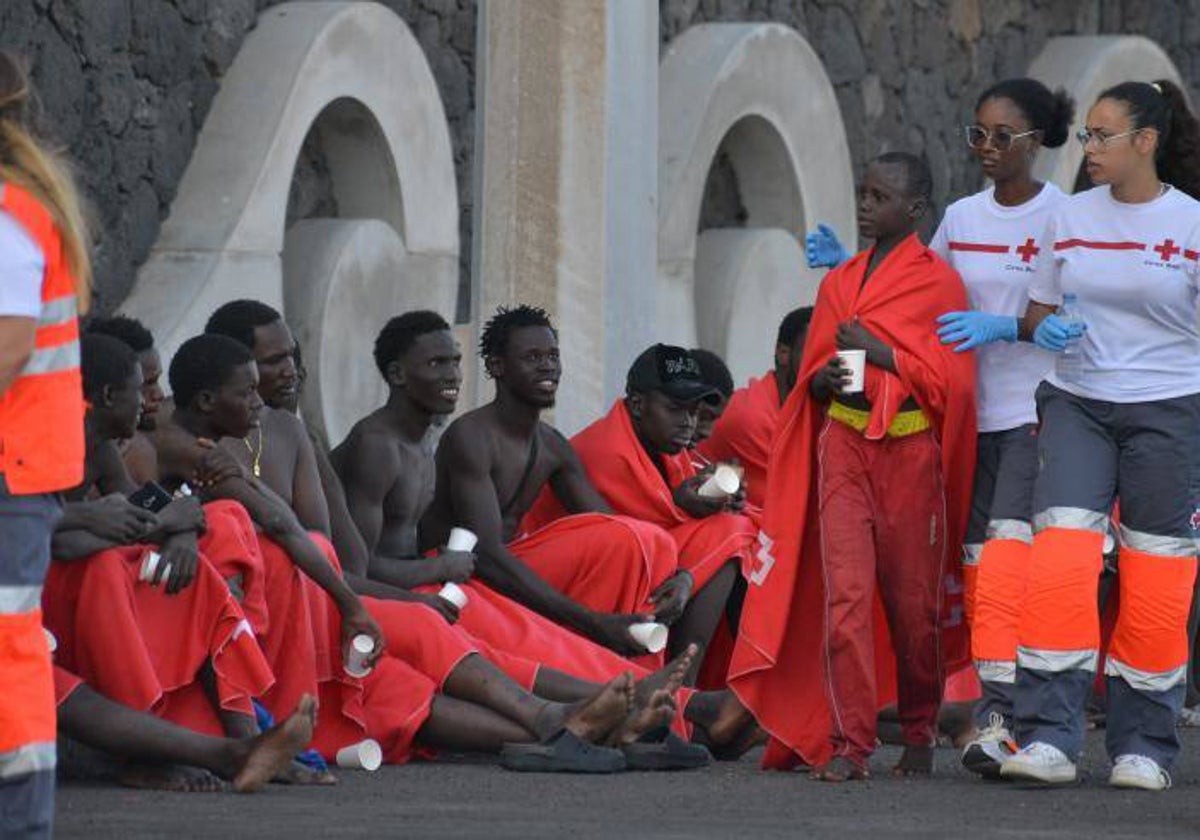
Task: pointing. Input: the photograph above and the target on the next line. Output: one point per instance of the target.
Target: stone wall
(907, 73)
(126, 84)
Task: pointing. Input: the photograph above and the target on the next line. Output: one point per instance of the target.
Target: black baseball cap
(673, 371)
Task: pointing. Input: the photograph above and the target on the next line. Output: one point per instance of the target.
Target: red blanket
(777, 663)
(143, 648)
(619, 468)
(745, 432)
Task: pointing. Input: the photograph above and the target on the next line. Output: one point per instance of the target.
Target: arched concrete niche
(760, 93)
(354, 70)
(1085, 65)
(345, 279)
(740, 275)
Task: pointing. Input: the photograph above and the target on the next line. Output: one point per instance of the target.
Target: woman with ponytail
(44, 276)
(991, 238)
(1115, 296)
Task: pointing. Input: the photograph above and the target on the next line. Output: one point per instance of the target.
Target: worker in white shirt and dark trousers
(1120, 419)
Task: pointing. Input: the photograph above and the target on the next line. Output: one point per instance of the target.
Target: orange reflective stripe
(999, 596)
(1059, 610)
(1156, 595)
(56, 335)
(26, 684)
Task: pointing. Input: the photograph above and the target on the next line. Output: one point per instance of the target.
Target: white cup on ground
(51, 641)
(361, 647)
(453, 593)
(365, 755)
(461, 539)
(854, 361)
(649, 634)
(724, 481)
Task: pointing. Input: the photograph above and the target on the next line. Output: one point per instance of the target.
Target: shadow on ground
(473, 799)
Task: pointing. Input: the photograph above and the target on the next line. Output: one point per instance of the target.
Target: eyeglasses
(1001, 140)
(1087, 137)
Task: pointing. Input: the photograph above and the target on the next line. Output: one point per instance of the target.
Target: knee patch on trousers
(1000, 593)
(1149, 647)
(1060, 623)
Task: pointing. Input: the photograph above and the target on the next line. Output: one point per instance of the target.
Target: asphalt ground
(474, 798)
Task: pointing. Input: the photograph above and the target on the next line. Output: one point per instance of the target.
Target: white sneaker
(1138, 772)
(1039, 762)
(989, 749)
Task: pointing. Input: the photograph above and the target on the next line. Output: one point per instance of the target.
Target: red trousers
(882, 525)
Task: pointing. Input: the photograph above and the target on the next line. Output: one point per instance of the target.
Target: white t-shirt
(1134, 270)
(994, 249)
(21, 269)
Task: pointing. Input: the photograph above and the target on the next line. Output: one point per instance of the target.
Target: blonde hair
(42, 171)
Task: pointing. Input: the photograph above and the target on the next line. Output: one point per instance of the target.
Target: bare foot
(915, 762)
(268, 754)
(841, 769)
(172, 777)
(729, 729)
(677, 666)
(655, 713)
(594, 720)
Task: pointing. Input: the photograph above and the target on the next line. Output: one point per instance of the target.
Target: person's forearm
(309, 559)
(508, 575)
(377, 589)
(75, 544)
(76, 516)
(406, 572)
(883, 357)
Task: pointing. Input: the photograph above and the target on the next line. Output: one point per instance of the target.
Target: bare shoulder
(283, 423)
(467, 436)
(555, 441)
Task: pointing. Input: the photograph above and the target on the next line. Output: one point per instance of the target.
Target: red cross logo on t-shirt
(1028, 251)
(1167, 249)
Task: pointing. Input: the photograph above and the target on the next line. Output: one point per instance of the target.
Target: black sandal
(563, 752)
(662, 749)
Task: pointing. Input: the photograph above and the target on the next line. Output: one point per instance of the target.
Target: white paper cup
(149, 566)
(649, 634)
(361, 647)
(365, 755)
(50, 640)
(461, 540)
(854, 361)
(723, 482)
(453, 593)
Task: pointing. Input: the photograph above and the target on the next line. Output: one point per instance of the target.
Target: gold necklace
(256, 467)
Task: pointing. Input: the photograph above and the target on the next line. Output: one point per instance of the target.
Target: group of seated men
(217, 564)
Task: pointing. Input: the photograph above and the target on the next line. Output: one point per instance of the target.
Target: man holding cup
(875, 452)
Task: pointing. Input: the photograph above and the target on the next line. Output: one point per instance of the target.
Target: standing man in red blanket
(866, 491)
(747, 426)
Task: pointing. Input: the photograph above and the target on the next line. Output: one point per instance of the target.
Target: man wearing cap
(636, 456)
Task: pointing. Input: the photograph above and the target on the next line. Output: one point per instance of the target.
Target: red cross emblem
(1028, 251)
(1167, 249)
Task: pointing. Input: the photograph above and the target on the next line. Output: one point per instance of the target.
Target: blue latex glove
(823, 249)
(1054, 333)
(975, 329)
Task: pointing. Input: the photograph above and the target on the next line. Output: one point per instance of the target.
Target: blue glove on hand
(1054, 333)
(823, 249)
(975, 329)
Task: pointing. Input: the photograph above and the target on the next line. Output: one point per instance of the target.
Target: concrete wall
(126, 84)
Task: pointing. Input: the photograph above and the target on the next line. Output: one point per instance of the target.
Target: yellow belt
(903, 424)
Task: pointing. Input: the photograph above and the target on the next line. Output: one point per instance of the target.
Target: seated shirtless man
(593, 572)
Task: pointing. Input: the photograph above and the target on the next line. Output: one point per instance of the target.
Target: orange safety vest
(41, 414)
(41, 451)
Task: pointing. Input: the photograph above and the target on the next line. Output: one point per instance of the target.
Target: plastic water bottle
(1069, 366)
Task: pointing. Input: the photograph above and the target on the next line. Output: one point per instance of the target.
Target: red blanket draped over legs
(143, 648)
(778, 668)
